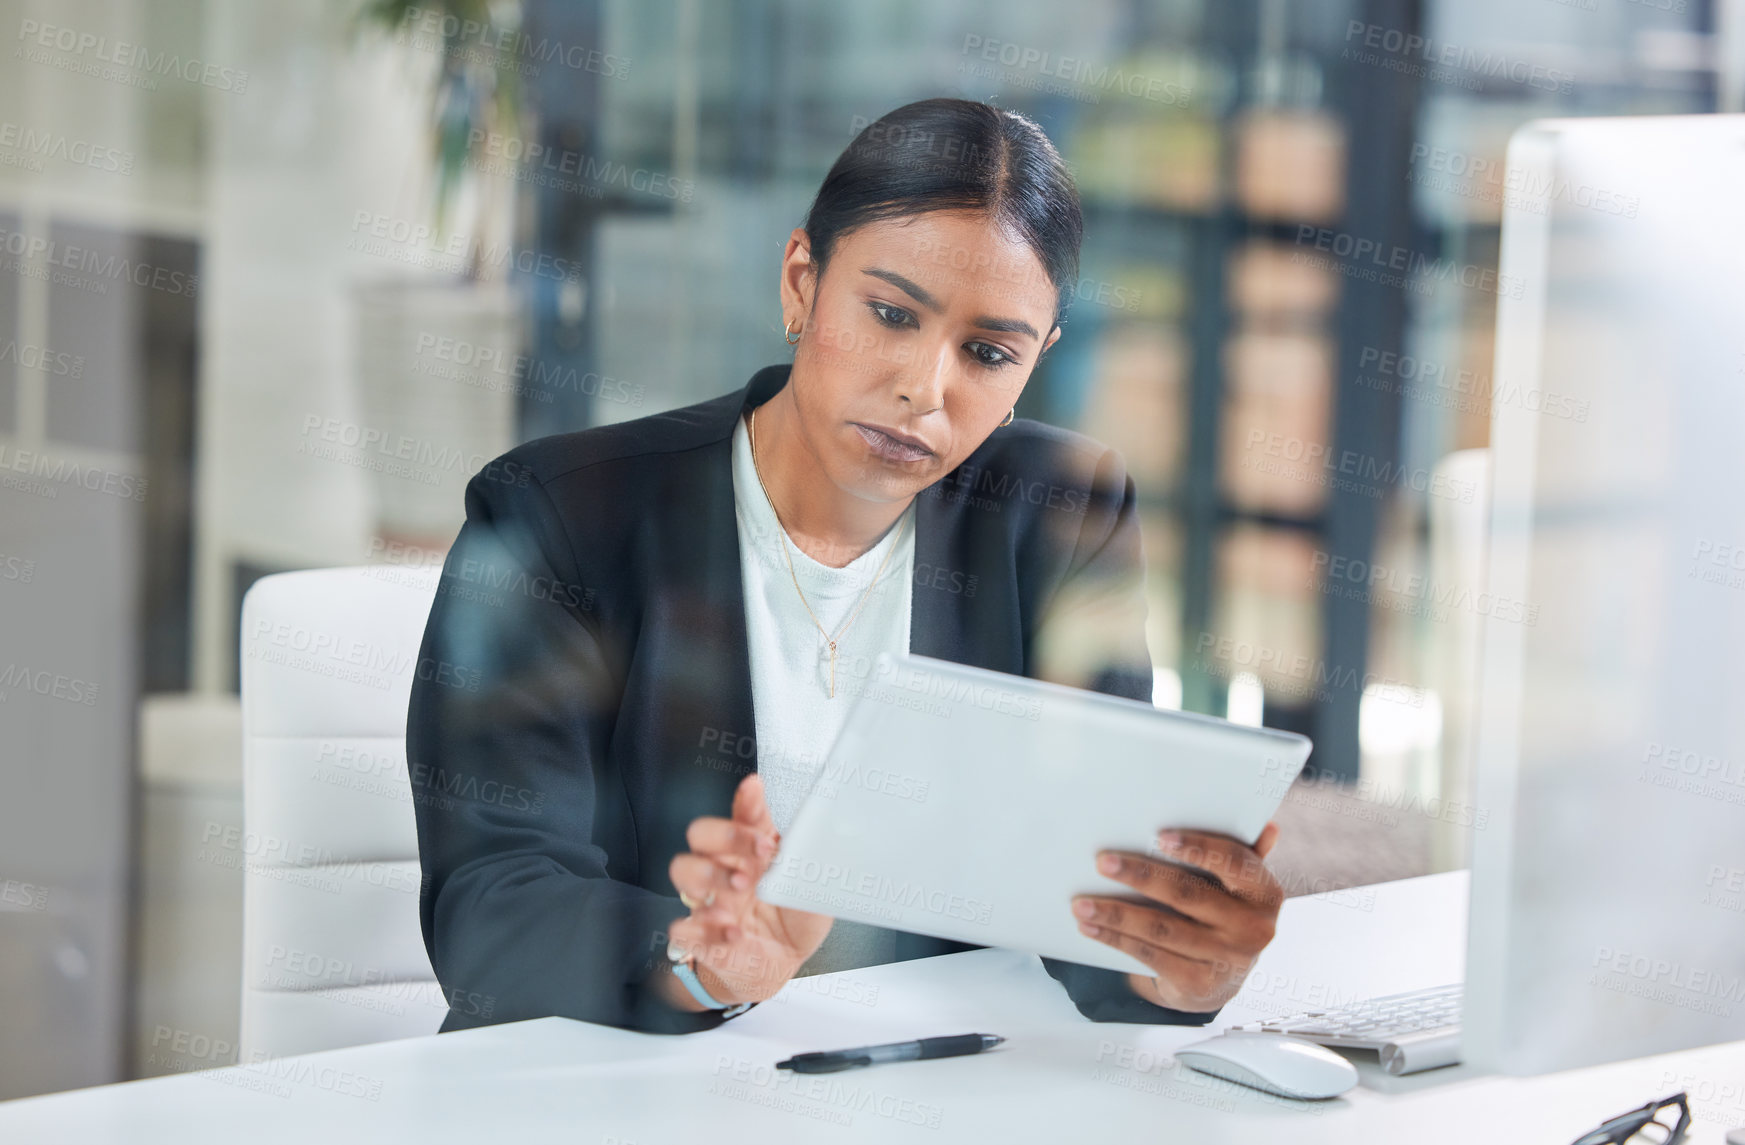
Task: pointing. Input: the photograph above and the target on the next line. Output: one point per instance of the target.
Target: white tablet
(969, 804)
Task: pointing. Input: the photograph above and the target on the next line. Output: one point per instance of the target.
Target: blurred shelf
(1175, 504)
(1245, 226)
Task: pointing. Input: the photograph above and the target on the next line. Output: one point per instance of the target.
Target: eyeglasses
(1643, 1126)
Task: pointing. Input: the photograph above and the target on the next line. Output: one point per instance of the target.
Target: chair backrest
(332, 951)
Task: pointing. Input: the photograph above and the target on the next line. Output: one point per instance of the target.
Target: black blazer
(583, 690)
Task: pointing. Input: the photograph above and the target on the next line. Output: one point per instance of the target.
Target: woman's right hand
(744, 949)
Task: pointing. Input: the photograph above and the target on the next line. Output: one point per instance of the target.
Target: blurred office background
(275, 279)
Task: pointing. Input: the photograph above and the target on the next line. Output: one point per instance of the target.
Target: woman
(660, 624)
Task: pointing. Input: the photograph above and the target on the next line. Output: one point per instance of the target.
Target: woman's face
(914, 345)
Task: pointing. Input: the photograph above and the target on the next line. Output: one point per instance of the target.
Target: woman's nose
(923, 384)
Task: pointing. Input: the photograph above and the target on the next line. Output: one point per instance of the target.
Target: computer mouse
(1275, 1063)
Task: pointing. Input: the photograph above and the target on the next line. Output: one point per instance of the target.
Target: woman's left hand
(1213, 907)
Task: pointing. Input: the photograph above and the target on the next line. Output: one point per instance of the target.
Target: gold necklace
(783, 529)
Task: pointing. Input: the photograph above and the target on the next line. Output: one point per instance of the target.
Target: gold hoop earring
(786, 332)
(1009, 415)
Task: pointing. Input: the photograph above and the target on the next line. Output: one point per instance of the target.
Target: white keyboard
(1411, 1032)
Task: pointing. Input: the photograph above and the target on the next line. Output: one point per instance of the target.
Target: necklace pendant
(833, 669)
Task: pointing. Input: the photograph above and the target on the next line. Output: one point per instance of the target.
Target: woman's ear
(799, 279)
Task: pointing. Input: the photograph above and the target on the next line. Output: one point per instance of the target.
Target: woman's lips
(888, 447)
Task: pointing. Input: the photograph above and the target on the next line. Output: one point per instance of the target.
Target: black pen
(830, 1061)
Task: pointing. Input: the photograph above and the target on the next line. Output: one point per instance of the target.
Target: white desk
(1058, 1078)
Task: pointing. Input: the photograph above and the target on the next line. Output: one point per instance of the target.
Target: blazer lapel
(966, 604)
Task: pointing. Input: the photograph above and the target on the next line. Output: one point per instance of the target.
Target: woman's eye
(882, 310)
(991, 357)
(999, 356)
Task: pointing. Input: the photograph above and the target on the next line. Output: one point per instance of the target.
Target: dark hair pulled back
(955, 154)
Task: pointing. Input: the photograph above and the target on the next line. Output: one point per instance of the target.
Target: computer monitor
(1608, 885)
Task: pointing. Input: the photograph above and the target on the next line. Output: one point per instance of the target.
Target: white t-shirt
(790, 661)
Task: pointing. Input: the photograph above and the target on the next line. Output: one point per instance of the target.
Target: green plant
(478, 84)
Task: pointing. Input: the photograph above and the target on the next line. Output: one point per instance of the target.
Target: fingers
(733, 844)
(746, 842)
(1180, 888)
(711, 887)
(737, 961)
(726, 858)
(1146, 924)
(1191, 984)
(1240, 868)
(751, 809)
(702, 932)
(1213, 907)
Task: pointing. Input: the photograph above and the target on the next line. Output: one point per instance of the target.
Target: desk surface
(1057, 1076)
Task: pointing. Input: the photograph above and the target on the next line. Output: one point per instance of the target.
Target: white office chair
(332, 952)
